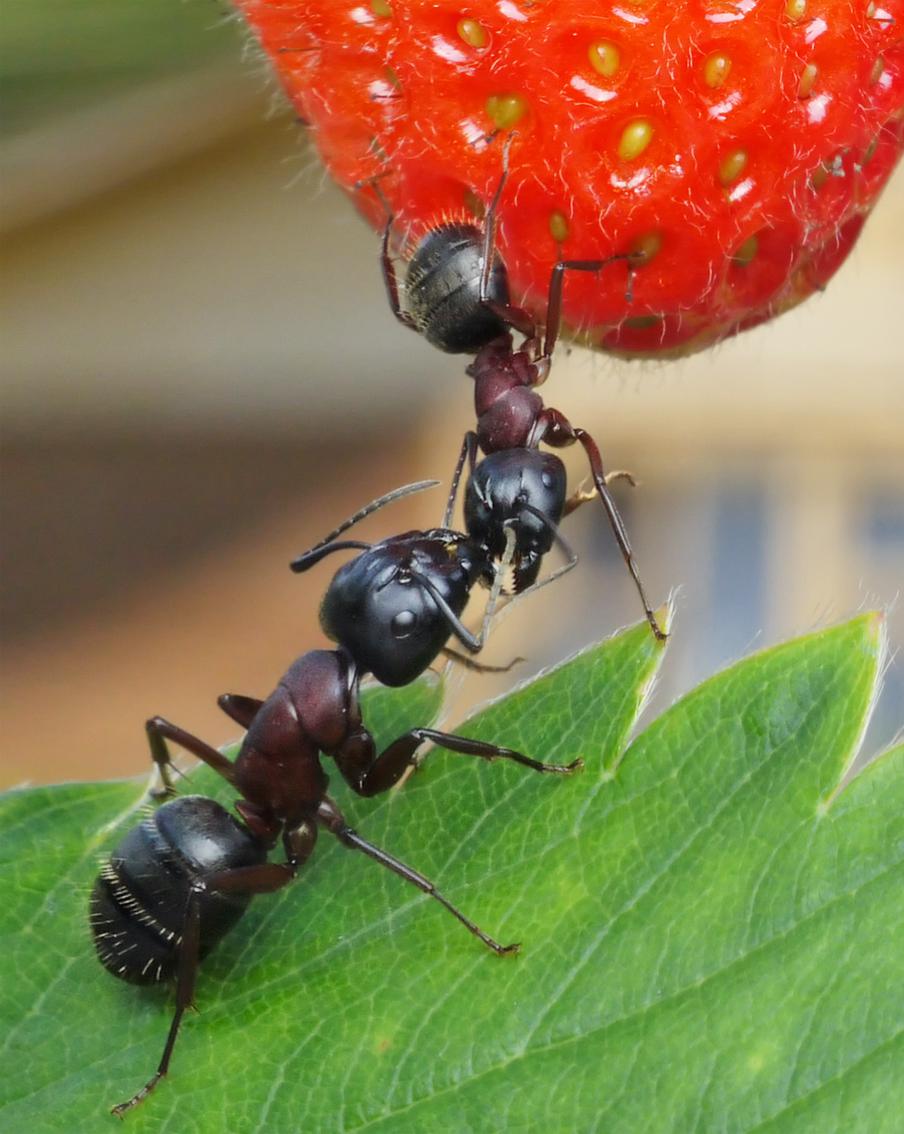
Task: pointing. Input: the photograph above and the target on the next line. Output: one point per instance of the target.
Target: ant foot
(620, 474)
(561, 769)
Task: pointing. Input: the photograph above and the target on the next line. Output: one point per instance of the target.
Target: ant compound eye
(403, 624)
(548, 479)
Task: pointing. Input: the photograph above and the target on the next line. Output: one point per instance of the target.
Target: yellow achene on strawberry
(735, 146)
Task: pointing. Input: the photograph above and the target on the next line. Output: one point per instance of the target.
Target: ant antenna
(479, 667)
(327, 544)
(375, 506)
(473, 642)
(381, 196)
(311, 558)
(560, 541)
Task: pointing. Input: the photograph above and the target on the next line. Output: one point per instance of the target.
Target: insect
(181, 880)
(457, 296)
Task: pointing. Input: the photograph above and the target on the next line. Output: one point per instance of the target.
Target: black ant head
(442, 289)
(394, 606)
(523, 489)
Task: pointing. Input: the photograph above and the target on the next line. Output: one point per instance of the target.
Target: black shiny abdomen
(139, 899)
(442, 290)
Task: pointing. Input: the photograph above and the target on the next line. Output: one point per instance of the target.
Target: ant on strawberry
(182, 879)
(457, 296)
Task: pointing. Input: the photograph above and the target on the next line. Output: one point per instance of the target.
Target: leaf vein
(693, 987)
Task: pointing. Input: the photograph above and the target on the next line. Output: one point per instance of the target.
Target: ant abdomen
(141, 894)
(442, 290)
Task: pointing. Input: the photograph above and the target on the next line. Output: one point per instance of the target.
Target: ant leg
(516, 317)
(583, 495)
(479, 667)
(553, 427)
(554, 298)
(268, 877)
(265, 878)
(468, 453)
(331, 817)
(618, 527)
(392, 763)
(390, 280)
(239, 708)
(160, 731)
(185, 988)
(489, 227)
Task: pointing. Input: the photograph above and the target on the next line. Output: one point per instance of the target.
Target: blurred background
(201, 376)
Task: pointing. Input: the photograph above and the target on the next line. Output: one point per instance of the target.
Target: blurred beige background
(200, 376)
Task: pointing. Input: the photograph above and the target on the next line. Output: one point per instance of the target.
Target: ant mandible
(457, 296)
(177, 883)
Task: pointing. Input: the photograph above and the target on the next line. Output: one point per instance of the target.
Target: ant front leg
(159, 731)
(556, 430)
(468, 454)
(583, 495)
(334, 821)
(369, 778)
(479, 667)
(390, 279)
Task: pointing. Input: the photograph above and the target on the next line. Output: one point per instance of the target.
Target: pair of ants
(178, 882)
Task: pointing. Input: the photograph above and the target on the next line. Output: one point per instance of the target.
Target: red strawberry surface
(738, 144)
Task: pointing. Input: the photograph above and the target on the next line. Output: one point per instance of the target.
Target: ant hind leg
(554, 297)
(160, 730)
(391, 281)
(334, 821)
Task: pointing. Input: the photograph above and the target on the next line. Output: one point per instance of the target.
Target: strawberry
(737, 145)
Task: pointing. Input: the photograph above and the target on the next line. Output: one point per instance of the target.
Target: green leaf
(711, 929)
